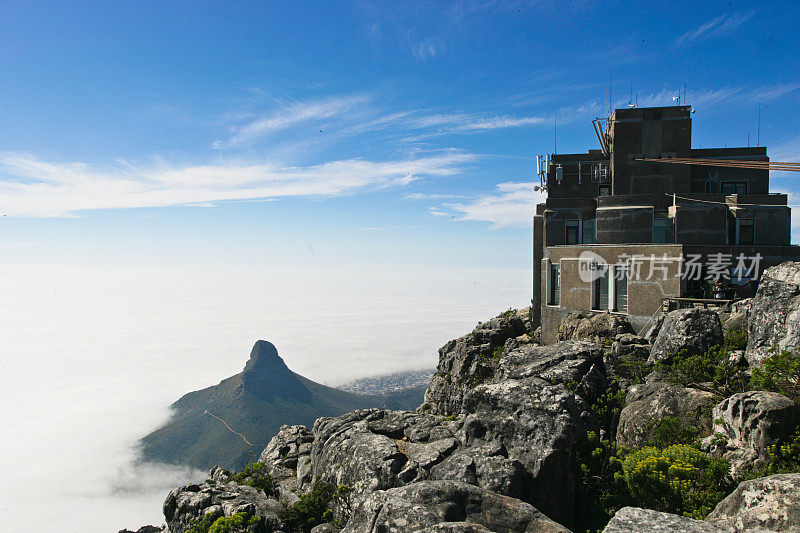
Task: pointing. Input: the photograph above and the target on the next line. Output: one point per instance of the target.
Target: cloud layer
(511, 205)
(716, 27)
(32, 187)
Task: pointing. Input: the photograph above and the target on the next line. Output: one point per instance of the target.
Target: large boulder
(446, 506)
(536, 408)
(737, 316)
(648, 403)
(765, 504)
(471, 359)
(750, 423)
(692, 330)
(636, 520)
(595, 326)
(220, 498)
(374, 449)
(775, 312)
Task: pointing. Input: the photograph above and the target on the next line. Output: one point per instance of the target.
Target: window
(573, 232)
(746, 231)
(663, 229)
(708, 186)
(555, 285)
(605, 189)
(734, 187)
(589, 231)
(621, 289)
(600, 284)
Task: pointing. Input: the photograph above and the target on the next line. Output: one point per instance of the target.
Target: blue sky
(401, 132)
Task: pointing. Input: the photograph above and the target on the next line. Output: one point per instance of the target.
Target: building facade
(619, 234)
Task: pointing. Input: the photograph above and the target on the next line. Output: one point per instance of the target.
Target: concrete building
(618, 234)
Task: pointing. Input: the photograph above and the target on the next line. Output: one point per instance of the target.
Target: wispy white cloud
(291, 115)
(716, 27)
(32, 187)
(723, 95)
(430, 196)
(427, 50)
(511, 205)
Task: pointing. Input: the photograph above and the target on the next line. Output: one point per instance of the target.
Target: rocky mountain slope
(602, 430)
(255, 403)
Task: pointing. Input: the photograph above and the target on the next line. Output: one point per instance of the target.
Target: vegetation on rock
(256, 476)
(315, 508)
(238, 523)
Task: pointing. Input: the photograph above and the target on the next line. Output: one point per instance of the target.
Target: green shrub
(783, 459)
(314, 508)
(669, 431)
(605, 491)
(202, 524)
(256, 476)
(498, 353)
(310, 510)
(780, 372)
(679, 479)
(238, 523)
(632, 368)
(608, 406)
(736, 339)
(713, 367)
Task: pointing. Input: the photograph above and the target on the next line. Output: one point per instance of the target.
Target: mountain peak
(266, 375)
(264, 358)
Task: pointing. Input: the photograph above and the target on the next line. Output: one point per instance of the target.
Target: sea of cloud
(92, 356)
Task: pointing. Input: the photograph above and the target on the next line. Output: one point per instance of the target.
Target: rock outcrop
(636, 520)
(765, 504)
(692, 330)
(648, 403)
(472, 358)
(596, 326)
(747, 424)
(446, 506)
(775, 313)
(514, 435)
(219, 497)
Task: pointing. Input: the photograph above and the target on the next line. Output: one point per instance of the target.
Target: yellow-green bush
(679, 479)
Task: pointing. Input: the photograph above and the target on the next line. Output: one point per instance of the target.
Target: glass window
(573, 233)
(663, 229)
(605, 189)
(589, 231)
(555, 284)
(734, 187)
(621, 289)
(746, 231)
(601, 288)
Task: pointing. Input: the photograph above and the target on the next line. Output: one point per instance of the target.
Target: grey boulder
(750, 423)
(596, 326)
(765, 504)
(775, 313)
(693, 330)
(446, 506)
(636, 520)
(648, 403)
(186, 504)
(469, 360)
